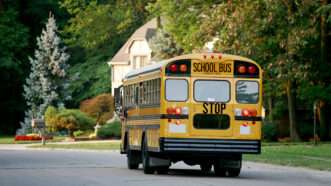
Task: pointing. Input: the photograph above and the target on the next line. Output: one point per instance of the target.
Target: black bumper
(209, 146)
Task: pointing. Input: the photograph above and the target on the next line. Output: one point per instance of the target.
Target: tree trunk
(321, 109)
(270, 104)
(1, 6)
(290, 87)
(324, 128)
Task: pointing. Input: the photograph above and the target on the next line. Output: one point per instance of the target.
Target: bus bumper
(209, 146)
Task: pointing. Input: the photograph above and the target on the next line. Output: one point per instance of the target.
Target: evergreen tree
(164, 46)
(47, 83)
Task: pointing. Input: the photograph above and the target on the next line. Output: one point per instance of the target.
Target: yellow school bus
(203, 109)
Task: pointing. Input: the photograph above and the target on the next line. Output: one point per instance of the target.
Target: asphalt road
(32, 167)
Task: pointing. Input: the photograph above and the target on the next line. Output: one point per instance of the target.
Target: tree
(163, 46)
(286, 46)
(47, 83)
(100, 107)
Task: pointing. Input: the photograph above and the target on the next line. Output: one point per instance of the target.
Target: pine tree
(47, 83)
(164, 46)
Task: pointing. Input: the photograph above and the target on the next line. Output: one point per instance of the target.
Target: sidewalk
(26, 146)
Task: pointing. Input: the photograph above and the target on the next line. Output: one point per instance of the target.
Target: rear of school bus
(211, 111)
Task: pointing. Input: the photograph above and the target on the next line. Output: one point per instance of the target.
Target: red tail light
(249, 112)
(174, 110)
(253, 112)
(242, 69)
(170, 110)
(252, 69)
(245, 112)
(178, 110)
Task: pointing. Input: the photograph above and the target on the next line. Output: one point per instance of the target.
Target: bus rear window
(212, 90)
(176, 90)
(247, 92)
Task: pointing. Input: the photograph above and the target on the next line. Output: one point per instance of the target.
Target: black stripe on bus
(248, 118)
(157, 116)
(144, 126)
(173, 116)
(144, 117)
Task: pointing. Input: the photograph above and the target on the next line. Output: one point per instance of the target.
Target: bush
(70, 119)
(110, 130)
(78, 133)
(73, 119)
(50, 117)
(269, 131)
(100, 107)
(306, 131)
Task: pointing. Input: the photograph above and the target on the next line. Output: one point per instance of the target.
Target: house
(134, 54)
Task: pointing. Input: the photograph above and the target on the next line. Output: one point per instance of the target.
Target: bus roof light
(212, 56)
(183, 68)
(220, 56)
(242, 69)
(252, 69)
(173, 68)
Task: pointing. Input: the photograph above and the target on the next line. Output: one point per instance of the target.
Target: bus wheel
(146, 158)
(233, 172)
(132, 158)
(205, 167)
(162, 170)
(219, 170)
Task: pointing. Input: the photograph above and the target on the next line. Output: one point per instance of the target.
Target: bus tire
(233, 172)
(132, 158)
(146, 158)
(162, 170)
(219, 170)
(205, 167)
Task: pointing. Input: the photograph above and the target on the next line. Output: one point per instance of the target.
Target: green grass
(10, 140)
(301, 155)
(89, 146)
(6, 139)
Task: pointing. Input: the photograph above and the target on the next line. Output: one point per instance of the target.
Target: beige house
(134, 54)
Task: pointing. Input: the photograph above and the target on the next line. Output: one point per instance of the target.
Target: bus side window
(136, 95)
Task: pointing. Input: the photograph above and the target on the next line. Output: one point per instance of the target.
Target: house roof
(145, 32)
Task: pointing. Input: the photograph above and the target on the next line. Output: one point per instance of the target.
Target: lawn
(301, 155)
(10, 140)
(90, 146)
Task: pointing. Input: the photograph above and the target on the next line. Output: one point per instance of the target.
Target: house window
(143, 61)
(139, 61)
(113, 73)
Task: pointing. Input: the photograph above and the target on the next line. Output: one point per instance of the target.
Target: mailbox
(38, 123)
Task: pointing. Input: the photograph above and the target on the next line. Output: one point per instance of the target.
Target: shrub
(269, 131)
(73, 119)
(100, 107)
(69, 119)
(306, 130)
(110, 130)
(50, 117)
(78, 133)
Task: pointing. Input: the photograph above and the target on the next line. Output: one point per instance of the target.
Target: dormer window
(139, 61)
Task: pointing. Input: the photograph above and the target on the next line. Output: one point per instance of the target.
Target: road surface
(46, 167)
